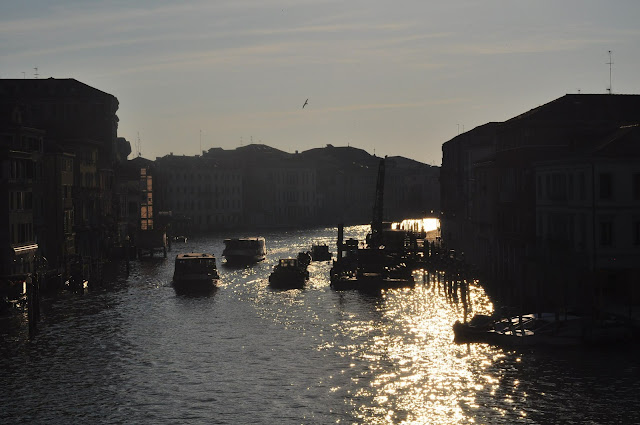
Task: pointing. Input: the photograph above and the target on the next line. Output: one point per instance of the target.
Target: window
(539, 187)
(570, 187)
(606, 186)
(606, 233)
(558, 190)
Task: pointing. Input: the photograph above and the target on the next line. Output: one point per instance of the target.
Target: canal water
(134, 352)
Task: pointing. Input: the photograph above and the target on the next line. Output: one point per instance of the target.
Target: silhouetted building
(588, 215)
(135, 197)
(414, 189)
(80, 125)
(21, 160)
(202, 193)
(346, 183)
(489, 186)
(257, 185)
(457, 189)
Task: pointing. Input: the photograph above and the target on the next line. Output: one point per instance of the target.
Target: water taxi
(195, 271)
(244, 250)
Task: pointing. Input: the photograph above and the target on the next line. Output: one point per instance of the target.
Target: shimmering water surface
(135, 352)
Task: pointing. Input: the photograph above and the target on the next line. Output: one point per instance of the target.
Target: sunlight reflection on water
(138, 353)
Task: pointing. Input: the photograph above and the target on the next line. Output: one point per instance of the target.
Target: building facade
(21, 160)
(259, 186)
(490, 199)
(79, 126)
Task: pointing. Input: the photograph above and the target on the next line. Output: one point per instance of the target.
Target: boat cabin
(195, 266)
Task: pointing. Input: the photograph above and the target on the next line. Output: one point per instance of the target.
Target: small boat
(320, 252)
(180, 238)
(521, 331)
(371, 282)
(195, 272)
(243, 251)
(288, 274)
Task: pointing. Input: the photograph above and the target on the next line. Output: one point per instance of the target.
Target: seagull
(306, 102)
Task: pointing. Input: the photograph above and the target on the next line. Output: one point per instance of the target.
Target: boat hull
(195, 285)
(243, 259)
(195, 273)
(287, 280)
(370, 282)
(244, 251)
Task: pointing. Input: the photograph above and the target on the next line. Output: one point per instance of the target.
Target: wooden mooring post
(33, 303)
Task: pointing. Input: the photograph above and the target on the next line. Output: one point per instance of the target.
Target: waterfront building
(463, 194)
(21, 159)
(278, 188)
(135, 197)
(495, 166)
(281, 195)
(414, 189)
(57, 232)
(588, 212)
(201, 192)
(345, 183)
(257, 185)
(80, 125)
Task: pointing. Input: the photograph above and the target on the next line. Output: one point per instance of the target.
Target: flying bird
(306, 102)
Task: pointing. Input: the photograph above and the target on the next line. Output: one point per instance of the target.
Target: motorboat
(195, 272)
(320, 252)
(289, 273)
(244, 250)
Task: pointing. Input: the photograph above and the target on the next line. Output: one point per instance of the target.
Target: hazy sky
(395, 77)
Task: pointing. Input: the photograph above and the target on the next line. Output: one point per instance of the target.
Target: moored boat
(544, 329)
(369, 270)
(195, 272)
(244, 250)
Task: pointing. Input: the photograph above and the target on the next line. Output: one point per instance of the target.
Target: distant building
(414, 189)
(200, 192)
(346, 185)
(259, 186)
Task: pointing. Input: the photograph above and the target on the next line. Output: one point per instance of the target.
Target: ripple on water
(135, 352)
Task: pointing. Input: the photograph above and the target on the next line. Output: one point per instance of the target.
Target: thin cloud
(64, 17)
(526, 46)
(373, 106)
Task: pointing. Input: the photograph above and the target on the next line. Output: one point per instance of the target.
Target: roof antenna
(610, 89)
(138, 145)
